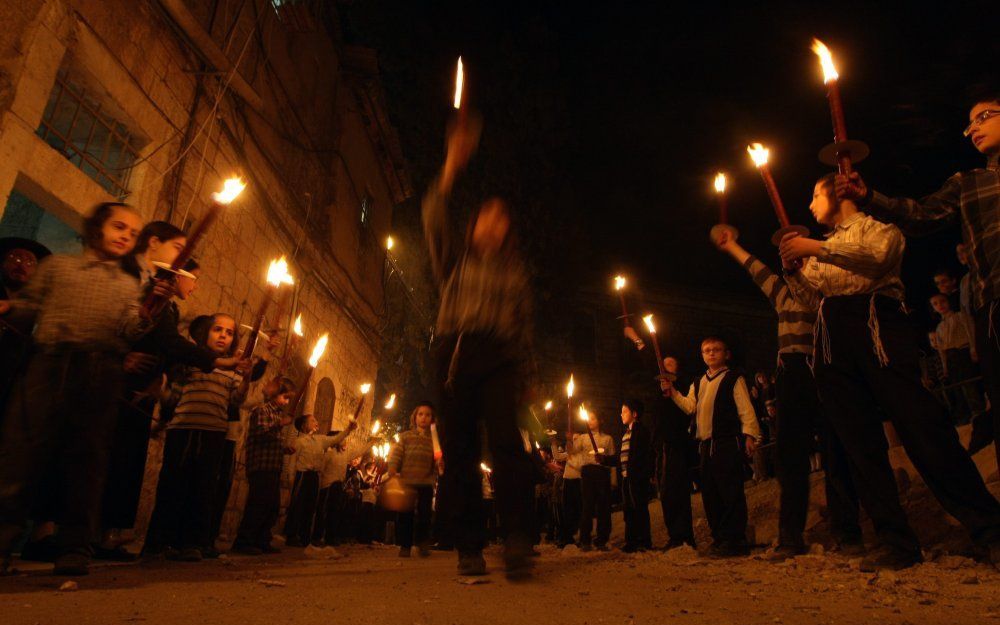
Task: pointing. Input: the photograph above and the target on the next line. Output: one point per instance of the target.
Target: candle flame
(459, 83)
(277, 273)
(583, 413)
(537, 446)
(649, 323)
(395, 437)
(392, 402)
(386, 448)
(297, 326)
(365, 388)
(231, 189)
(570, 386)
(759, 154)
(548, 405)
(619, 283)
(826, 60)
(485, 467)
(376, 427)
(389, 243)
(720, 182)
(318, 350)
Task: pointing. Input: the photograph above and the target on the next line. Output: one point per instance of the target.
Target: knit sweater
(203, 399)
(413, 458)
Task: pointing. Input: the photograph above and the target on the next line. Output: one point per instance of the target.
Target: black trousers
(572, 509)
(961, 367)
(675, 488)
(59, 423)
(800, 418)
(595, 486)
(262, 509)
(223, 484)
(415, 525)
(127, 464)
(484, 392)
(722, 489)
(336, 509)
(635, 506)
(366, 523)
(302, 507)
(186, 490)
(853, 384)
(319, 521)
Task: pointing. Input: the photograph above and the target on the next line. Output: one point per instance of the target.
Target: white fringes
(873, 327)
(821, 340)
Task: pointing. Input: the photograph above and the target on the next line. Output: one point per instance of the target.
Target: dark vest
(725, 417)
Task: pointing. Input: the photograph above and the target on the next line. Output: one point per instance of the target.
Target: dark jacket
(640, 454)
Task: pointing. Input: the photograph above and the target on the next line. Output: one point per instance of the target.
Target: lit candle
(548, 405)
(585, 417)
(620, 284)
(277, 274)
(760, 156)
(570, 388)
(291, 345)
(231, 189)
(720, 191)
(436, 446)
(376, 427)
(317, 353)
(843, 150)
(459, 84)
(664, 374)
(361, 402)
(391, 403)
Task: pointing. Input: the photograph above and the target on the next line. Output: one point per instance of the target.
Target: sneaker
(404, 552)
(332, 553)
(116, 554)
(728, 550)
(42, 550)
(471, 564)
(889, 558)
(850, 547)
(785, 552)
(674, 544)
(424, 550)
(72, 563)
(190, 554)
(247, 550)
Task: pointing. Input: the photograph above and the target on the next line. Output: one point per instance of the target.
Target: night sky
(605, 122)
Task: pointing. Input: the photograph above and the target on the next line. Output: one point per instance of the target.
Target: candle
(436, 446)
(720, 190)
(664, 374)
(570, 387)
(585, 417)
(830, 78)
(318, 350)
(459, 84)
(291, 344)
(391, 403)
(231, 189)
(357, 411)
(760, 156)
(620, 287)
(376, 427)
(277, 274)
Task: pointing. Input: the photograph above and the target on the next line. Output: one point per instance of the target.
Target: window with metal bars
(77, 125)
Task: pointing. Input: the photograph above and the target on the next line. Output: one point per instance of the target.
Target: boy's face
(283, 399)
(627, 415)
(186, 286)
(18, 266)
(671, 365)
(945, 283)
(165, 251)
(715, 354)
(772, 411)
(424, 417)
(984, 128)
(821, 207)
(940, 304)
(962, 253)
(119, 233)
(220, 335)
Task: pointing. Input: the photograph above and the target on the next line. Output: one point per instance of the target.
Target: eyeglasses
(978, 120)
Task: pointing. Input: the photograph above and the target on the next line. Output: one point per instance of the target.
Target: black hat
(18, 243)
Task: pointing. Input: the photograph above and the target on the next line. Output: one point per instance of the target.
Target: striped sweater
(795, 322)
(203, 399)
(413, 458)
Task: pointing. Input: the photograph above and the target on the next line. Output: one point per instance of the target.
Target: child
(969, 197)
(264, 453)
(678, 455)
(193, 449)
(636, 464)
(61, 414)
(867, 354)
(309, 450)
(412, 459)
(595, 484)
(725, 425)
(798, 417)
(953, 339)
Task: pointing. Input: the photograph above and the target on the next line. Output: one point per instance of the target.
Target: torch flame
(376, 427)
(759, 154)
(395, 437)
(277, 272)
(619, 283)
(570, 387)
(365, 388)
(231, 188)
(392, 402)
(649, 323)
(583, 413)
(318, 350)
(826, 60)
(485, 467)
(548, 405)
(459, 83)
(386, 447)
(720, 182)
(297, 326)
(389, 242)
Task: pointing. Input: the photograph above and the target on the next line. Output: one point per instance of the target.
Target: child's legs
(127, 463)
(308, 493)
(572, 507)
(319, 521)
(335, 513)
(170, 491)
(602, 507)
(204, 459)
(294, 507)
(425, 500)
(726, 467)
(798, 411)
(223, 485)
(270, 485)
(588, 486)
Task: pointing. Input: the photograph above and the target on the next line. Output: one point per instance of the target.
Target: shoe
(247, 550)
(190, 554)
(332, 553)
(629, 548)
(294, 542)
(117, 554)
(601, 547)
(72, 563)
(423, 550)
(889, 558)
(270, 549)
(42, 550)
(210, 553)
(471, 564)
(517, 562)
(171, 553)
(728, 550)
(586, 547)
(674, 544)
(785, 552)
(443, 547)
(850, 547)
(404, 552)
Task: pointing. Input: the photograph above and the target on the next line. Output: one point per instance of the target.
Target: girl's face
(165, 251)
(424, 417)
(186, 286)
(627, 415)
(119, 233)
(492, 226)
(221, 334)
(940, 304)
(822, 207)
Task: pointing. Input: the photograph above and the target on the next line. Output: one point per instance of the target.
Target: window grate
(89, 137)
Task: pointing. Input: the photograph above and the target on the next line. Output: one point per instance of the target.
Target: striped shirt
(626, 445)
(264, 449)
(861, 256)
(795, 321)
(973, 198)
(203, 399)
(413, 458)
(81, 300)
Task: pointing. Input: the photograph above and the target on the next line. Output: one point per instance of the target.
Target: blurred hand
(463, 139)
(667, 387)
(164, 289)
(229, 363)
(751, 444)
(794, 248)
(273, 343)
(138, 362)
(850, 187)
(633, 336)
(4, 307)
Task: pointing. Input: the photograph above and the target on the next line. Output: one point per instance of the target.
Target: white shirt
(703, 402)
(954, 331)
(309, 450)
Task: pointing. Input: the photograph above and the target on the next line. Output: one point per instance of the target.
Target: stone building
(155, 102)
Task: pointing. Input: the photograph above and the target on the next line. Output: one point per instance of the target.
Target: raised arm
(686, 403)
(915, 217)
(873, 259)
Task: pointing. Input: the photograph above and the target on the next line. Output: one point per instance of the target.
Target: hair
(826, 183)
(635, 405)
(204, 323)
(944, 271)
(715, 339)
(985, 91)
(285, 385)
(94, 223)
(413, 415)
(162, 230)
(191, 265)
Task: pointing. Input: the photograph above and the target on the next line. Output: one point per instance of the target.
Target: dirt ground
(373, 585)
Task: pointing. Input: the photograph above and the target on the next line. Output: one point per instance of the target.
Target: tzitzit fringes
(873, 327)
(821, 338)
(449, 383)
